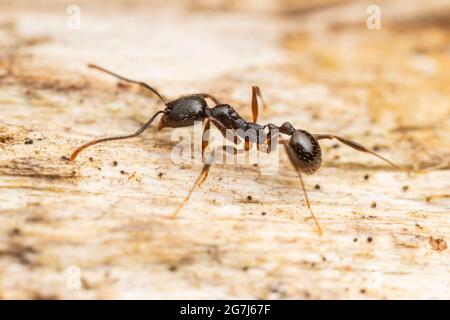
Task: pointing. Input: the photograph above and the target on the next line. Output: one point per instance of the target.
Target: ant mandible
(302, 148)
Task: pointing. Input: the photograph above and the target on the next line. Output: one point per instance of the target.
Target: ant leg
(205, 137)
(247, 145)
(256, 93)
(203, 174)
(201, 178)
(207, 95)
(227, 134)
(356, 146)
(88, 144)
(295, 165)
(142, 84)
(273, 133)
(233, 150)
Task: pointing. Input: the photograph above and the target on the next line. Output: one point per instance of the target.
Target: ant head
(183, 112)
(305, 151)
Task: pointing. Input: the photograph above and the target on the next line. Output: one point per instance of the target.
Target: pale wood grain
(388, 88)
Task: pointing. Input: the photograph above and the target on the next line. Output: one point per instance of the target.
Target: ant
(302, 148)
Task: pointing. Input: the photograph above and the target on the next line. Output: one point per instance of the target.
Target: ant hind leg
(356, 146)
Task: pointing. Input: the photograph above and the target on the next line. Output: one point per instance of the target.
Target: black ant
(303, 148)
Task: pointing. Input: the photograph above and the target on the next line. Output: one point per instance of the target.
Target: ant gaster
(302, 148)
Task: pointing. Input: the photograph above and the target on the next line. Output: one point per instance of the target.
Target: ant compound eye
(307, 151)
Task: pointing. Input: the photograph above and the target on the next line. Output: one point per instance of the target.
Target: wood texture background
(318, 66)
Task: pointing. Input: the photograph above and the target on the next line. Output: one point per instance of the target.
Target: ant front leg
(356, 146)
(256, 93)
(204, 173)
(292, 158)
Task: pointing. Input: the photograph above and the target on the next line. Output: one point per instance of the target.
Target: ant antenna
(142, 84)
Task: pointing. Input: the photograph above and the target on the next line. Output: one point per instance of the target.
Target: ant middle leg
(205, 170)
(207, 164)
(357, 146)
(200, 179)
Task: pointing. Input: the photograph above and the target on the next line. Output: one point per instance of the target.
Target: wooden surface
(93, 229)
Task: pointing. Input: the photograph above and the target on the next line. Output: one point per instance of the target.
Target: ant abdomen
(305, 152)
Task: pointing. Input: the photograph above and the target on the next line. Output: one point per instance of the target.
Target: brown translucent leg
(207, 95)
(259, 147)
(356, 146)
(205, 136)
(308, 205)
(203, 174)
(223, 130)
(91, 143)
(247, 145)
(267, 143)
(142, 84)
(256, 93)
(201, 178)
(232, 150)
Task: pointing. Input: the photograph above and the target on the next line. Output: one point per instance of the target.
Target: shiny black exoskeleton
(185, 111)
(307, 151)
(303, 148)
(224, 116)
